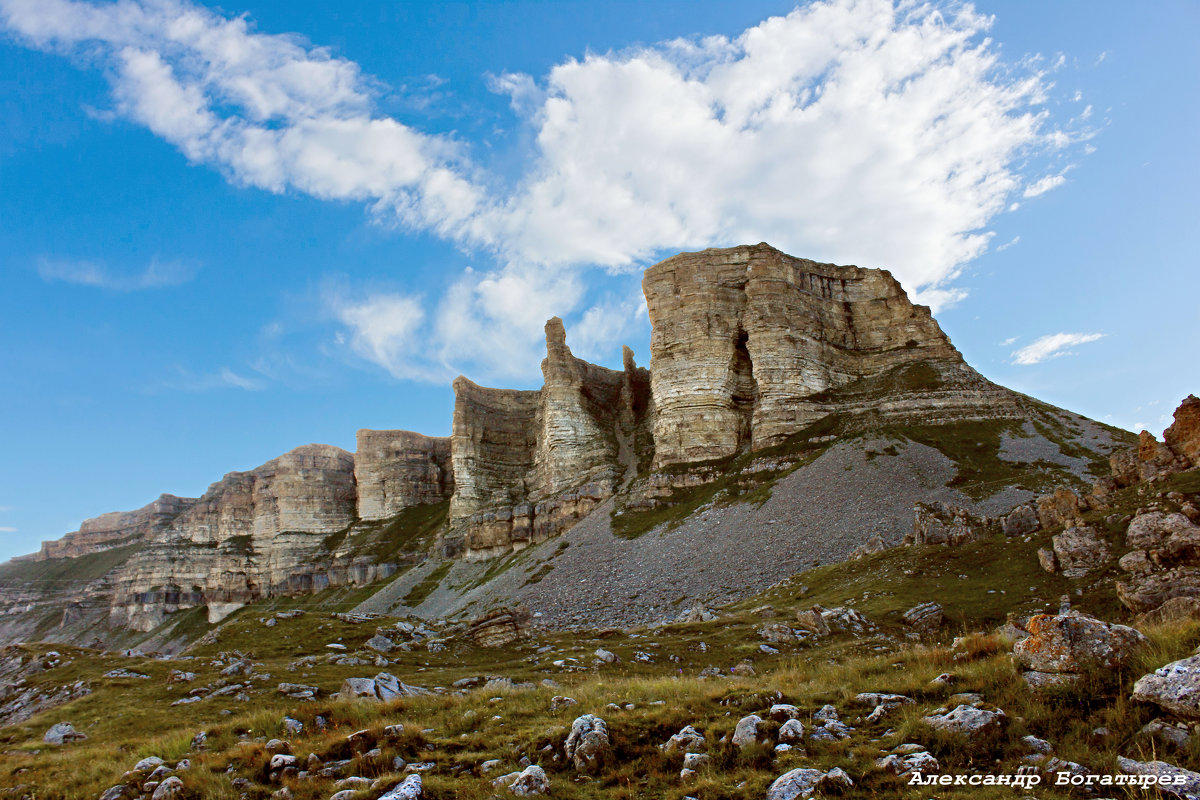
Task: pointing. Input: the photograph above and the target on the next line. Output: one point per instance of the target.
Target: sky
(229, 231)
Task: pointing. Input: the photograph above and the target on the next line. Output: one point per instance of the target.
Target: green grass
(402, 537)
(53, 573)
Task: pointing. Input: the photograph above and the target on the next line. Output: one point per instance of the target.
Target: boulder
(687, 739)
(968, 721)
(500, 628)
(381, 644)
(940, 523)
(529, 782)
(1063, 509)
(1070, 645)
(907, 764)
(791, 731)
(804, 782)
(926, 617)
(1174, 687)
(1079, 550)
(812, 620)
(170, 789)
(745, 733)
(777, 633)
(588, 745)
(63, 733)
(1188, 785)
(409, 789)
(1021, 521)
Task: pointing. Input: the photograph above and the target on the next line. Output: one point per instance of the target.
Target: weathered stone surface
(803, 782)
(1063, 509)
(1020, 521)
(1174, 687)
(398, 469)
(926, 617)
(939, 523)
(968, 721)
(528, 464)
(587, 746)
(1188, 785)
(1070, 645)
(1079, 550)
(688, 739)
(408, 789)
(1163, 562)
(745, 733)
(748, 342)
(63, 733)
(1183, 437)
(117, 528)
(530, 782)
(499, 628)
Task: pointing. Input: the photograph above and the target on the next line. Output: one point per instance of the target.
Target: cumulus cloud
(89, 273)
(1052, 346)
(855, 131)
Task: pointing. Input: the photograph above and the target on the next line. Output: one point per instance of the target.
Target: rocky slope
(760, 361)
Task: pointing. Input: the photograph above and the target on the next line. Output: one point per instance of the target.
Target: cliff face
(528, 464)
(244, 537)
(750, 345)
(398, 469)
(117, 528)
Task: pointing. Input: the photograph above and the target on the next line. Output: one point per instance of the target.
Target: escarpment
(750, 349)
(528, 464)
(751, 345)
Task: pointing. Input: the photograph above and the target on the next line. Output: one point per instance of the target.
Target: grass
(403, 537)
(52, 573)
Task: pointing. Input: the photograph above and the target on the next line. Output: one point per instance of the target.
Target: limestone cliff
(398, 469)
(117, 528)
(750, 345)
(528, 464)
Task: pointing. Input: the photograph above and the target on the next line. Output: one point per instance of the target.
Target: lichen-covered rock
(803, 782)
(1179, 781)
(1174, 687)
(500, 628)
(1079, 550)
(1069, 645)
(1183, 437)
(408, 789)
(529, 782)
(968, 721)
(745, 733)
(588, 745)
(1163, 561)
(687, 739)
(63, 733)
(1063, 509)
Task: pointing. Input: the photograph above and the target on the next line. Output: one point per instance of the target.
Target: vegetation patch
(422, 590)
(54, 572)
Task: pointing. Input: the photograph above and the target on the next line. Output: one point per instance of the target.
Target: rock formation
(751, 345)
(398, 469)
(528, 464)
(117, 528)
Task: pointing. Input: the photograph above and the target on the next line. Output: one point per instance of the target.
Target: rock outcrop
(395, 470)
(244, 538)
(1063, 649)
(1163, 561)
(1153, 460)
(117, 528)
(751, 345)
(528, 464)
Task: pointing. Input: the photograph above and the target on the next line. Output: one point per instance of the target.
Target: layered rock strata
(398, 469)
(528, 464)
(251, 534)
(117, 528)
(751, 345)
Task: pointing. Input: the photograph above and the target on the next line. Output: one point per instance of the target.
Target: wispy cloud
(1052, 346)
(904, 129)
(223, 378)
(1013, 241)
(1009, 342)
(157, 274)
(6, 529)
(1044, 185)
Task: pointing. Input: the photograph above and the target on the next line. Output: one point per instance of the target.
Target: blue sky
(226, 232)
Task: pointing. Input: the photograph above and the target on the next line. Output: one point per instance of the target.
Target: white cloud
(1009, 341)
(223, 378)
(6, 529)
(1008, 244)
(1052, 346)
(89, 273)
(1044, 185)
(855, 131)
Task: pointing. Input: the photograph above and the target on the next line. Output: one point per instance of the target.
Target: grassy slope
(127, 719)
